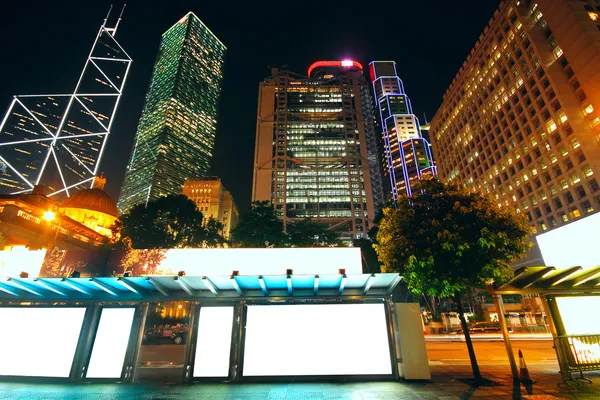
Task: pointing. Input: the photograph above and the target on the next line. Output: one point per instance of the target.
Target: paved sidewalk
(445, 385)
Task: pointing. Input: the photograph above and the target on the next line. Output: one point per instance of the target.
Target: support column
(499, 303)
(135, 341)
(563, 362)
(393, 332)
(236, 358)
(86, 338)
(190, 345)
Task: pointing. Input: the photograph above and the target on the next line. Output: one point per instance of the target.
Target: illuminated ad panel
(21, 259)
(575, 314)
(213, 346)
(324, 339)
(572, 244)
(39, 342)
(110, 345)
(202, 262)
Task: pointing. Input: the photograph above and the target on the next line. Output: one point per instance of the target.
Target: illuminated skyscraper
(176, 132)
(57, 140)
(315, 153)
(407, 155)
(521, 119)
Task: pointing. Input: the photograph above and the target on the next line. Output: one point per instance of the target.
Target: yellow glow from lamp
(49, 216)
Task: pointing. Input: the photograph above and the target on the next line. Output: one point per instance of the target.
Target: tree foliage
(166, 223)
(259, 227)
(445, 239)
(307, 233)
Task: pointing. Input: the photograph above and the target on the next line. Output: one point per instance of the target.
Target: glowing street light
(49, 216)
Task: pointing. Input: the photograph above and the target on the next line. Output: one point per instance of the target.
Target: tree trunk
(465, 327)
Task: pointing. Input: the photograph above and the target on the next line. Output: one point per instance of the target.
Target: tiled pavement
(446, 384)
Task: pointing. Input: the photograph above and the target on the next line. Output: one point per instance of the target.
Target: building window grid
(545, 104)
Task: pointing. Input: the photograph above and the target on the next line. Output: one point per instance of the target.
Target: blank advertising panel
(39, 342)
(213, 346)
(324, 339)
(110, 345)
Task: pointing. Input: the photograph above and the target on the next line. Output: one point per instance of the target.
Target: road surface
(440, 353)
(490, 353)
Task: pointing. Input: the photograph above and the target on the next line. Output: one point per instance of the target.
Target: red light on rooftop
(343, 63)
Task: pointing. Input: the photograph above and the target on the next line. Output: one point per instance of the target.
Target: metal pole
(563, 362)
(190, 345)
(138, 336)
(509, 351)
(84, 345)
(236, 341)
(395, 353)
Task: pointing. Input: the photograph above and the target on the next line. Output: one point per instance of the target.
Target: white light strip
(210, 285)
(48, 287)
(23, 287)
(103, 74)
(91, 113)
(15, 171)
(74, 287)
(587, 279)
(47, 139)
(5, 290)
(62, 178)
(35, 118)
(127, 285)
(75, 157)
(102, 286)
(72, 186)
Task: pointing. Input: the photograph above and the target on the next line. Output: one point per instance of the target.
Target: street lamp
(49, 216)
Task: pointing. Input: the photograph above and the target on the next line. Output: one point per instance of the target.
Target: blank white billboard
(201, 262)
(213, 346)
(110, 345)
(39, 342)
(575, 314)
(577, 243)
(309, 340)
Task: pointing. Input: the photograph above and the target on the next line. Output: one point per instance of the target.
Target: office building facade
(521, 120)
(315, 154)
(176, 131)
(406, 154)
(213, 200)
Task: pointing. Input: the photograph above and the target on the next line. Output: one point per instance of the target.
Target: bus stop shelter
(571, 299)
(241, 327)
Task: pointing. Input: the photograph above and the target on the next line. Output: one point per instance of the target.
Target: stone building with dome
(80, 222)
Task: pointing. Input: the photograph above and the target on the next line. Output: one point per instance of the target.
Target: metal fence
(582, 352)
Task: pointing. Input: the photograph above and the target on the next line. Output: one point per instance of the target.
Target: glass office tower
(176, 131)
(407, 155)
(314, 143)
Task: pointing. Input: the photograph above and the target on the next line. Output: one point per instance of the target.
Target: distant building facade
(34, 220)
(521, 119)
(213, 200)
(406, 154)
(316, 151)
(176, 131)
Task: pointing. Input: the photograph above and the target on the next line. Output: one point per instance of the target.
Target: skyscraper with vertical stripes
(176, 132)
(406, 154)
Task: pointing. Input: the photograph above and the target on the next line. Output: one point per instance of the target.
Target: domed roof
(92, 199)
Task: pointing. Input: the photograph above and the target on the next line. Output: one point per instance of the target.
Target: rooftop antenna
(425, 117)
(107, 15)
(113, 30)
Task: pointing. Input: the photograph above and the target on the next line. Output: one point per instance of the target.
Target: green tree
(166, 223)
(307, 233)
(446, 239)
(261, 226)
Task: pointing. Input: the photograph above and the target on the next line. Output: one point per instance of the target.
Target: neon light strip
(343, 64)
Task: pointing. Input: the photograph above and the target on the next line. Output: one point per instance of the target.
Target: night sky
(44, 45)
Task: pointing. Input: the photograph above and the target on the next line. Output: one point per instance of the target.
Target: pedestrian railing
(581, 352)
